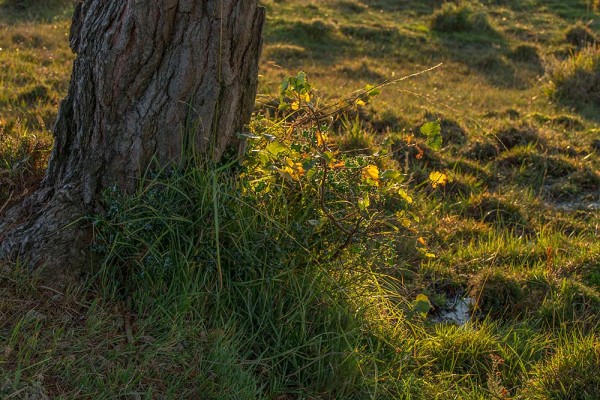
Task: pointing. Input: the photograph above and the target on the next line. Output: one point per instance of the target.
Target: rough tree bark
(143, 69)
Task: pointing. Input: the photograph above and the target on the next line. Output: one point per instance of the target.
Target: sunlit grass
(164, 315)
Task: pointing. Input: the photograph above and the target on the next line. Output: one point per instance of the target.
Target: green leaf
(301, 77)
(433, 131)
(434, 142)
(329, 157)
(284, 85)
(431, 128)
(392, 175)
(421, 305)
(275, 148)
(372, 91)
(308, 163)
(364, 203)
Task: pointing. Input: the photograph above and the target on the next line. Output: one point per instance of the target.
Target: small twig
(6, 202)
(322, 201)
(349, 238)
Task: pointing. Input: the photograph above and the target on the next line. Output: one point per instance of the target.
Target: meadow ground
(515, 228)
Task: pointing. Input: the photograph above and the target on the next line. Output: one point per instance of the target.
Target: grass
(576, 80)
(163, 314)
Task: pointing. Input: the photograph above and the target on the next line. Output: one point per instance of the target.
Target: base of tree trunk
(152, 80)
(46, 233)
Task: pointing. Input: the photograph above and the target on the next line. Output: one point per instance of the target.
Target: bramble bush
(349, 194)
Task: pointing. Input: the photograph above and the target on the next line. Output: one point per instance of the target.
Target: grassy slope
(516, 229)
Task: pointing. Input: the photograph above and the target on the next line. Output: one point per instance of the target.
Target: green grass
(199, 290)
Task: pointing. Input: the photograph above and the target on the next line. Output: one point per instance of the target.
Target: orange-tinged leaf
(422, 241)
(320, 139)
(420, 154)
(371, 172)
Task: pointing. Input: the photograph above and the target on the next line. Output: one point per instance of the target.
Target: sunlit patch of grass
(23, 157)
(571, 304)
(461, 351)
(569, 374)
(576, 81)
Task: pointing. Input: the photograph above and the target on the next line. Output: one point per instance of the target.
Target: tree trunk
(147, 74)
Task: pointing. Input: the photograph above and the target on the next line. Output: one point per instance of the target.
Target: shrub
(576, 81)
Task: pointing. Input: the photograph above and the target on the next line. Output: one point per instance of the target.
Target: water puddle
(459, 314)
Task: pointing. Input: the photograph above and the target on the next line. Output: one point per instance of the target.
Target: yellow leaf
(320, 139)
(360, 102)
(298, 170)
(371, 172)
(307, 97)
(295, 105)
(292, 170)
(422, 241)
(438, 178)
(405, 196)
(286, 173)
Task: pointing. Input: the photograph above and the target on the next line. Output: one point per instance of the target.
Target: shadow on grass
(20, 11)
(322, 41)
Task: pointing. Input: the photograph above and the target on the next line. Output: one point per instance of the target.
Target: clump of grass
(482, 149)
(496, 294)
(462, 350)
(571, 304)
(509, 296)
(355, 138)
(452, 17)
(500, 213)
(525, 53)
(568, 122)
(576, 81)
(580, 35)
(527, 167)
(517, 135)
(571, 373)
(295, 323)
(23, 157)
